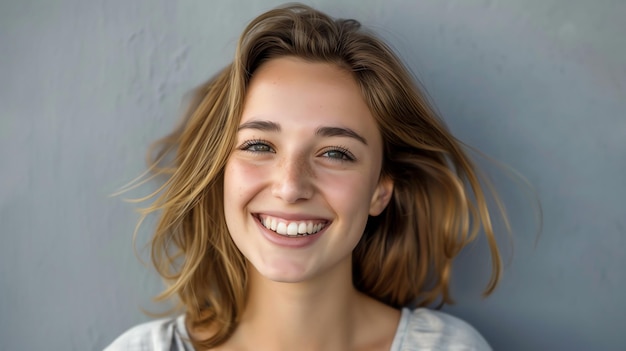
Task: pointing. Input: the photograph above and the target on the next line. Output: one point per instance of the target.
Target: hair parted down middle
(405, 255)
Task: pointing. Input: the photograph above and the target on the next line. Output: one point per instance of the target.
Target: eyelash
(256, 142)
(346, 155)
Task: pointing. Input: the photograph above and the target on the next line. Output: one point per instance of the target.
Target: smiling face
(305, 171)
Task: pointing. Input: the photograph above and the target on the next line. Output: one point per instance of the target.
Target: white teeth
(302, 228)
(281, 228)
(291, 228)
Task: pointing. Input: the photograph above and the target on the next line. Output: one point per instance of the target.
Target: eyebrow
(338, 131)
(265, 126)
(268, 126)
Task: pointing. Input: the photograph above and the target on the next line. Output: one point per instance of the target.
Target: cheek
(349, 193)
(241, 181)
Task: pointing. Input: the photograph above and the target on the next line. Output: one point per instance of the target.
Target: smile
(292, 228)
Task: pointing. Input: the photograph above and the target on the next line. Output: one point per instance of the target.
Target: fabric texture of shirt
(419, 329)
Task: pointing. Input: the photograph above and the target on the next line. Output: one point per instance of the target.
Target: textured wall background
(86, 85)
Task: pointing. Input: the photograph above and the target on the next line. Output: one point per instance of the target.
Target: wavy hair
(405, 255)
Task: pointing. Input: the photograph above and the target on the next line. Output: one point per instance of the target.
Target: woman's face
(304, 174)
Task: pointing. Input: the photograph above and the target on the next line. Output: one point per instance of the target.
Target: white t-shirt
(419, 329)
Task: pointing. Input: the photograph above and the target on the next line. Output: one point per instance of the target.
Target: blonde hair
(405, 255)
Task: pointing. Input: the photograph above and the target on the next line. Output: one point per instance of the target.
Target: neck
(318, 314)
(325, 313)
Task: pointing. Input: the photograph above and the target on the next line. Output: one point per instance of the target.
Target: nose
(292, 179)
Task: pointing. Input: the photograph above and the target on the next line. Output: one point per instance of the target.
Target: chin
(284, 273)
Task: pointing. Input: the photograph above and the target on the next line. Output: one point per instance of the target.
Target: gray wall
(537, 84)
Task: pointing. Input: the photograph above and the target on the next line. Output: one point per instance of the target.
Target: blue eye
(339, 154)
(259, 148)
(256, 146)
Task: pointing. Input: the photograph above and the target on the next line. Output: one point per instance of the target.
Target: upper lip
(291, 216)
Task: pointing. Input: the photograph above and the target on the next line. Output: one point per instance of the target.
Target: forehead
(294, 92)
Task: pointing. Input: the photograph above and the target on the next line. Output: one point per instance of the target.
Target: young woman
(312, 197)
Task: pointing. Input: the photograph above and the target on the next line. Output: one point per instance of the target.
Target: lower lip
(296, 241)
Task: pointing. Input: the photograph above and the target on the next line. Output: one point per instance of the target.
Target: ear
(382, 195)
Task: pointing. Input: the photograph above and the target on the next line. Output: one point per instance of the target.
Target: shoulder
(422, 328)
(166, 334)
